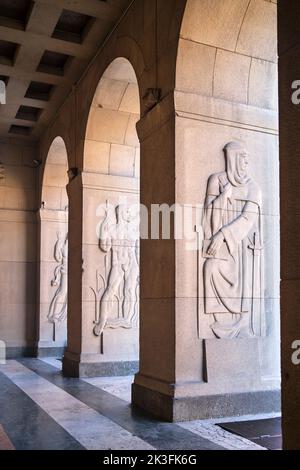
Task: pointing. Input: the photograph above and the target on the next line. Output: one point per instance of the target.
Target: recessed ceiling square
(28, 113)
(39, 91)
(15, 13)
(20, 130)
(4, 79)
(71, 26)
(8, 52)
(53, 63)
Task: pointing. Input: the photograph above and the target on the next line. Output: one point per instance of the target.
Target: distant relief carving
(116, 295)
(232, 248)
(58, 307)
(2, 174)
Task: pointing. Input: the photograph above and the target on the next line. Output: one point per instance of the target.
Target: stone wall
(197, 89)
(226, 91)
(52, 260)
(18, 204)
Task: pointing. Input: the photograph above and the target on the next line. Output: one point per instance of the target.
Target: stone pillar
(289, 131)
(71, 358)
(93, 197)
(154, 385)
(186, 370)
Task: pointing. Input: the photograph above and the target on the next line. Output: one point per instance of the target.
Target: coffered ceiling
(45, 45)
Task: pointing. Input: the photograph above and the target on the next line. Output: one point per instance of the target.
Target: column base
(49, 349)
(73, 367)
(168, 408)
(14, 352)
(57, 352)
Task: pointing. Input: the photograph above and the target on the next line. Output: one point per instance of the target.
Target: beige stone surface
(131, 137)
(16, 277)
(55, 175)
(96, 155)
(196, 67)
(137, 162)
(131, 101)
(263, 84)
(259, 28)
(20, 199)
(14, 245)
(17, 323)
(120, 69)
(122, 160)
(106, 125)
(57, 154)
(218, 110)
(194, 139)
(109, 93)
(220, 22)
(231, 76)
(157, 357)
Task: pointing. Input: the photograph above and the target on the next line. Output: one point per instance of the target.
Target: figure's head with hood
(237, 161)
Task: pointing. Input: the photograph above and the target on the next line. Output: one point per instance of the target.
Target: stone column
(154, 385)
(115, 351)
(72, 353)
(186, 371)
(289, 132)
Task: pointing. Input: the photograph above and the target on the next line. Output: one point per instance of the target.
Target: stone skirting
(14, 352)
(75, 368)
(173, 409)
(57, 352)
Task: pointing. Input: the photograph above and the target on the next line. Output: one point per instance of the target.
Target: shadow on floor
(264, 432)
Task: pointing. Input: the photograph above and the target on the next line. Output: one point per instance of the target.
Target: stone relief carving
(232, 248)
(58, 307)
(120, 284)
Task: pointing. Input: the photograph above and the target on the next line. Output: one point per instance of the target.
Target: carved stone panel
(233, 250)
(58, 306)
(117, 291)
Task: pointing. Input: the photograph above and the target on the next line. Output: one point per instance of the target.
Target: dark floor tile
(162, 436)
(5, 442)
(254, 429)
(271, 442)
(27, 425)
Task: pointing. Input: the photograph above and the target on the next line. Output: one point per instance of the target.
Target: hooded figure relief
(233, 244)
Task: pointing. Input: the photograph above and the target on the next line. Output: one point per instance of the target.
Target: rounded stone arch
(123, 47)
(53, 251)
(226, 90)
(111, 143)
(54, 174)
(233, 55)
(110, 181)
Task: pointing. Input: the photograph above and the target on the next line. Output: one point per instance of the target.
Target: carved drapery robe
(58, 307)
(233, 282)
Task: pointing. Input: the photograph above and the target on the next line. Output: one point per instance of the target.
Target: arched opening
(227, 140)
(53, 252)
(110, 223)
